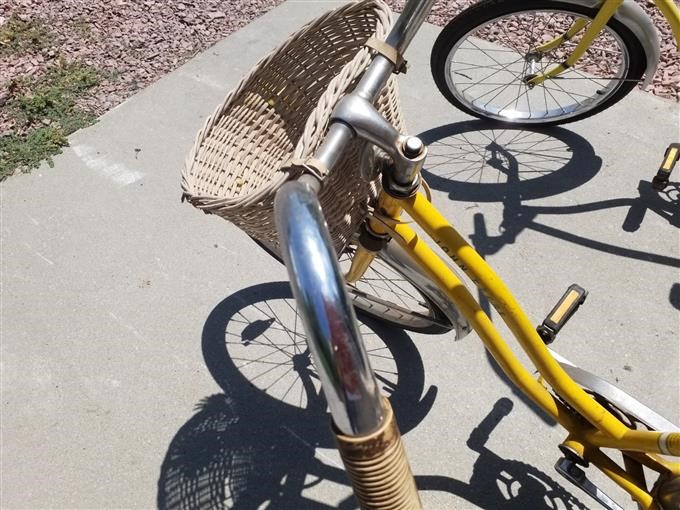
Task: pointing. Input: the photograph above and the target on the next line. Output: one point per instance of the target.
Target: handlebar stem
(375, 77)
(405, 28)
(367, 123)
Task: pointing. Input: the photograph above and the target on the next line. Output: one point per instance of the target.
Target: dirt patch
(134, 42)
(129, 44)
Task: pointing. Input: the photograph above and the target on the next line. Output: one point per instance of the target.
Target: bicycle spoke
(584, 77)
(576, 94)
(480, 85)
(269, 341)
(401, 295)
(510, 40)
(476, 66)
(271, 385)
(508, 104)
(483, 81)
(259, 360)
(567, 93)
(497, 62)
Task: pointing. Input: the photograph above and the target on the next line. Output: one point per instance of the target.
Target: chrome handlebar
(350, 387)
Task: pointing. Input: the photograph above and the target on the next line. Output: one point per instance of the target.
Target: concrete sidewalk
(126, 382)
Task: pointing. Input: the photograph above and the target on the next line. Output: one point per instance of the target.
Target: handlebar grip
(378, 468)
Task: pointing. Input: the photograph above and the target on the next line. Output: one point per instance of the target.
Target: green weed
(45, 112)
(18, 36)
(27, 151)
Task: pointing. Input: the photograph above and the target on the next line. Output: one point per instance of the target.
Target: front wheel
(393, 290)
(484, 56)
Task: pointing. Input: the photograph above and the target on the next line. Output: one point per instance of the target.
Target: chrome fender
(634, 18)
(399, 259)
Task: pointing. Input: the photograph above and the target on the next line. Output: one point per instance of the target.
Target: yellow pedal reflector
(670, 158)
(562, 312)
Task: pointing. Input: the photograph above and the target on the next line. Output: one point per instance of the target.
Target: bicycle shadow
(518, 217)
(674, 296)
(257, 442)
(477, 161)
(502, 484)
(467, 160)
(224, 458)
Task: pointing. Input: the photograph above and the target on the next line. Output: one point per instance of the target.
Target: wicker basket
(279, 112)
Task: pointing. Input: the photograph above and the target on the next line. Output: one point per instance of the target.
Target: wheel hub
(301, 361)
(531, 67)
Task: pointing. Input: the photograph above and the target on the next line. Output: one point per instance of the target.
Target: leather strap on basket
(388, 52)
(311, 166)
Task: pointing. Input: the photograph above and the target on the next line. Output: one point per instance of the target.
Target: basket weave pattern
(281, 111)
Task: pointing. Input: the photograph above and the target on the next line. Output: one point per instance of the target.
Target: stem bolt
(413, 146)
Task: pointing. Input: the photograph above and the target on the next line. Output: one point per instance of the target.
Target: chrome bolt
(413, 146)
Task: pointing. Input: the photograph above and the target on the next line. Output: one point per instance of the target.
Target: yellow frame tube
(638, 441)
(632, 481)
(510, 311)
(635, 470)
(650, 460)
(569, 34)
(622, 478)
(655, 463)
(605, 12)
(611, 432)
(440, 273)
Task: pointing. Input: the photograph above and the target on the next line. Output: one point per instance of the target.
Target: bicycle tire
(497, 14)
(435, 313)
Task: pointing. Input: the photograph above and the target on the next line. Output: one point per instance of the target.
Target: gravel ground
(134, 42)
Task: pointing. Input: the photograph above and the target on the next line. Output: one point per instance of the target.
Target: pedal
(561, 313)
(577, 476)
(670, 158)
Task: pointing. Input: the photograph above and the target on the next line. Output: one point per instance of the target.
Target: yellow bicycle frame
(590, 426)
(608, 8)
(671, 12)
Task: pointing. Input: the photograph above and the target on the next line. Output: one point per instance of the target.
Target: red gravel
(134, 42)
